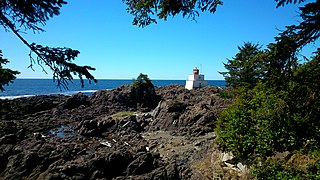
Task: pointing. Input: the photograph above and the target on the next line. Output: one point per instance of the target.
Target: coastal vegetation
(143, 92)
(6, 75)
(277, 106)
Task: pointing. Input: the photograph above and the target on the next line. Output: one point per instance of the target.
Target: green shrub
(257, 124)
(143, 92)
(225, 93)
(297, 167)
(264, 120)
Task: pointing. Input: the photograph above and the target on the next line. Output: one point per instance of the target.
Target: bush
(143, 92)
(297, 167)
(257, 124)
(263, 121)
(269, 119)
(225, 93)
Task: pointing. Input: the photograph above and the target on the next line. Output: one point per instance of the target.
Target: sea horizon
(26, 87)
(118, 79)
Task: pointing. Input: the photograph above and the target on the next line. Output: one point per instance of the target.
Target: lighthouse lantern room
(196, 80)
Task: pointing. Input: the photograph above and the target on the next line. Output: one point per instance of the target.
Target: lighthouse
(195, 80)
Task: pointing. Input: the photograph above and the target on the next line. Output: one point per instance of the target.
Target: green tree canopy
(143, 92)
(282, 112)
(146, 12)
(32, 15)
(6, 75)
(246, 68)
(143, 85)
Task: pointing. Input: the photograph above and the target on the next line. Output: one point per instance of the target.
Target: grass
(122, 115)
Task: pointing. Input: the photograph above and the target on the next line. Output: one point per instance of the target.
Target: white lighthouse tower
(195, 80)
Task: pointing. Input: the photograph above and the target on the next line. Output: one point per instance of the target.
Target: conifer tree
(32, 15)
(246, 68)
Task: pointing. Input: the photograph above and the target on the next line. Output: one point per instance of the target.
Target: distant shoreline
(32, 87)
(122, 79)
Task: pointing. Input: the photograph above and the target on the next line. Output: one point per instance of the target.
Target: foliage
(280, 58)
(254, 125)
(59, 61)
(31, 15)
(284, 2)
(28, 14)
(146, 11)
(225, 93)
(299, 166)
(6, 75)
(309, 29)
(143, 91)
(280, 113)
(265, 120)
(304, 99)
(246, 68)
(282, 55)
(143, 84)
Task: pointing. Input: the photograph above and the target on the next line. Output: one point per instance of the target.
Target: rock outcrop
(78, 137)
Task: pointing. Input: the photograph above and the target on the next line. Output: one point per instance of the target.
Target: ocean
(32, 87)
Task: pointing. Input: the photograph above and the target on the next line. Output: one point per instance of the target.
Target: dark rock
(19, 108)
(172, 172)
(30, 161)
(21, 134)
(5, 151)
(123, 98)
(8, 127)
(8, 139)
(89, 128)
(117, 162)
(142, 164)
(75, 101)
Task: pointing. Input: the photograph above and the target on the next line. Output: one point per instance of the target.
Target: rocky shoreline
(108, 135)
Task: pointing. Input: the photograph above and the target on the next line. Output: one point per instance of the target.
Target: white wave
(15, 97)
(88, 91)
(65, 93)
(75, 92)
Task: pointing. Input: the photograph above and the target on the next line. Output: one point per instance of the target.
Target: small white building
(195, 80)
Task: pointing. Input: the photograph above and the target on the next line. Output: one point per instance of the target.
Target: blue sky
(102, 31)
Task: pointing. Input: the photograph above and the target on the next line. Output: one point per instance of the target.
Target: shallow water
(62, 131)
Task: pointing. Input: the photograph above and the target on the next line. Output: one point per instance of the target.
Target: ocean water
(31, 87)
